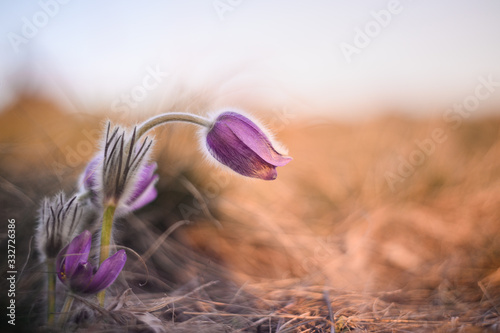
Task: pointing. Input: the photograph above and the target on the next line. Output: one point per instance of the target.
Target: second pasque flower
(120, 175)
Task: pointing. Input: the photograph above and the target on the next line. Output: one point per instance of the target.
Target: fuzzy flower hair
(243, 145)
(120, 174)
(58, 222)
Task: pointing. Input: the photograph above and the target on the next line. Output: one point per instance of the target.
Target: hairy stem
(169, 117)
(51, 291)
(107, 225)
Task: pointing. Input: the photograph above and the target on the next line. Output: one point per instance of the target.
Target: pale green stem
(63, 317)
(169, 117)
(107, 225)
(51, 291)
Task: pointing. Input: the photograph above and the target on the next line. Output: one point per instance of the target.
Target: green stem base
(107, 226)
(51, 292)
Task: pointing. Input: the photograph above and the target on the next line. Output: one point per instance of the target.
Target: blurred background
(344, 59)
(390, 110)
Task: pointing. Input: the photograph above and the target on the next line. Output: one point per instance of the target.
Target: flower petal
(144, 191)
(253, 137)
(77, 252)
(148, 195)
(89, 177)
(228, 149)
(107, 272)
(81, 278)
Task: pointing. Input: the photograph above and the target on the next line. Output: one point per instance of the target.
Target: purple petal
(253, 137)
(144, 191)
(230, 151)
(77, 252)
(107, 272)
(148, 195)
(81, 278)
(146, 174)
(90, 173)
(238, 143)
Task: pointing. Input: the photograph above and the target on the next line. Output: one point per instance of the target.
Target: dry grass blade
(165, 302)
(157, 243)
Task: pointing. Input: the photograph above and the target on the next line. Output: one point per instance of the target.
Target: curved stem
(51, 291)
(63, 317)
(169, 117)
(107, 225)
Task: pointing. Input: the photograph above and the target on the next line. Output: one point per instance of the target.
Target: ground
(389, 224)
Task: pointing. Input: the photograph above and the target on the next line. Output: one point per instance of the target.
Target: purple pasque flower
(120, 174)
(239, 143)
(74, 270)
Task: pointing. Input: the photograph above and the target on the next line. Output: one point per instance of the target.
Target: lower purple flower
(74, 270)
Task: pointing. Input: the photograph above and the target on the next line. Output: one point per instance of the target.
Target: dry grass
(328, 245)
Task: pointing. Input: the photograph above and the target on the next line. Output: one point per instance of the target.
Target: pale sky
(417, 55)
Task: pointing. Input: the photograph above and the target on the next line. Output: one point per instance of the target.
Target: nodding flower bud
(74, 270)
(120, 174)
(58, 221)
(240, 144)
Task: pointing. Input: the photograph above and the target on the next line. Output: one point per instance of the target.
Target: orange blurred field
(390, 246)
